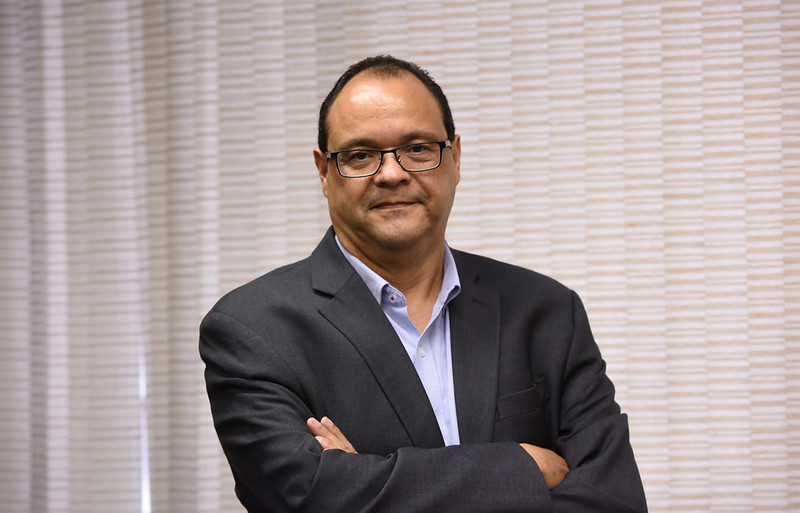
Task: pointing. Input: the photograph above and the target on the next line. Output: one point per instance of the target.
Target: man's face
(392, 209)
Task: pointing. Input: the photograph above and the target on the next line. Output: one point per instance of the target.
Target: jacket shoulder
(504, 276)
(266, 289)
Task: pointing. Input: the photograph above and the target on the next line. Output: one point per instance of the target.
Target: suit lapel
(373, 336)
(475, 339)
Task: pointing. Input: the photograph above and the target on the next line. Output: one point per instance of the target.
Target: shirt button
(392, 298)
(421, 352)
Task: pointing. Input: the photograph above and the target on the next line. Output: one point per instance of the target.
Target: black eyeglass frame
(333, 155)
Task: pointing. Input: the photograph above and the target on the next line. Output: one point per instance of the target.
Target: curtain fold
(154, 155)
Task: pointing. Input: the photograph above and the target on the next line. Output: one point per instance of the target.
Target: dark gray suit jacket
(309, 339)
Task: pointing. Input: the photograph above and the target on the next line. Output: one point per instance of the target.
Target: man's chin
(397, 237)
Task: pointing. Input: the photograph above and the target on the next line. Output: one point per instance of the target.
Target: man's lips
(392, 204)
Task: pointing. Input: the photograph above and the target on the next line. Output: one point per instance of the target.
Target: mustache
(387, 199)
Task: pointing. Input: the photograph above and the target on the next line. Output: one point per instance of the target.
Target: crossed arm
(554, 468)
(260, 405)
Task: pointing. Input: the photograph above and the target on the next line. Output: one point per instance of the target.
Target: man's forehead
(382, 102)
(374, 91)
(366, 91)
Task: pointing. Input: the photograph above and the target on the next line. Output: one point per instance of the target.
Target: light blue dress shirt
(429, 351)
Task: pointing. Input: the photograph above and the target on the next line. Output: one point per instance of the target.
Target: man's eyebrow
(365, 143)
(361, 143)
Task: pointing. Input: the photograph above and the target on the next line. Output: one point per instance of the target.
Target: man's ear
(322, 166)
(455, 146)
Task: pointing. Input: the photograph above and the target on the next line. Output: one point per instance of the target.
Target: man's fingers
(324, 443)
(331, 427)
(554, 468)
(316, 427)
(341, 441)
(329, 435)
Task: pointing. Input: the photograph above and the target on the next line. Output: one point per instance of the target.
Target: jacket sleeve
(593, 435)
(260, 413)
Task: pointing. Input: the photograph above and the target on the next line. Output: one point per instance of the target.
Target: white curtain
(154, 155)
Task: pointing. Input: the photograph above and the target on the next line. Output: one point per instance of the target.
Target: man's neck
(416, 272)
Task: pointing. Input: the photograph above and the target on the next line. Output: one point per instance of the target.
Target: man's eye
(419, 152)
(358, 160)
(355, 156)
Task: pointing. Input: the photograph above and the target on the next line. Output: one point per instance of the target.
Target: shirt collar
(451, 285)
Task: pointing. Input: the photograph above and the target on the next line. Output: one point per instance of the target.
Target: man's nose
(391, 172)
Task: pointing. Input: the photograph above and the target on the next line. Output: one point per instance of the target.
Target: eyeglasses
(414, 157)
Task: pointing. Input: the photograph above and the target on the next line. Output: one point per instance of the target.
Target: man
(389, 373)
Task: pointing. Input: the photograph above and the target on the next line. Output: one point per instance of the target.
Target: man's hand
(328, 435)
(554, 468)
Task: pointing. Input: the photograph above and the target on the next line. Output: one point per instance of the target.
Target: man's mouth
(394, 204)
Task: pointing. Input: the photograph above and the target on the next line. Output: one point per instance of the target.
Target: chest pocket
(523, 416)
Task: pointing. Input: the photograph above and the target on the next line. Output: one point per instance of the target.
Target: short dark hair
(384, 66)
